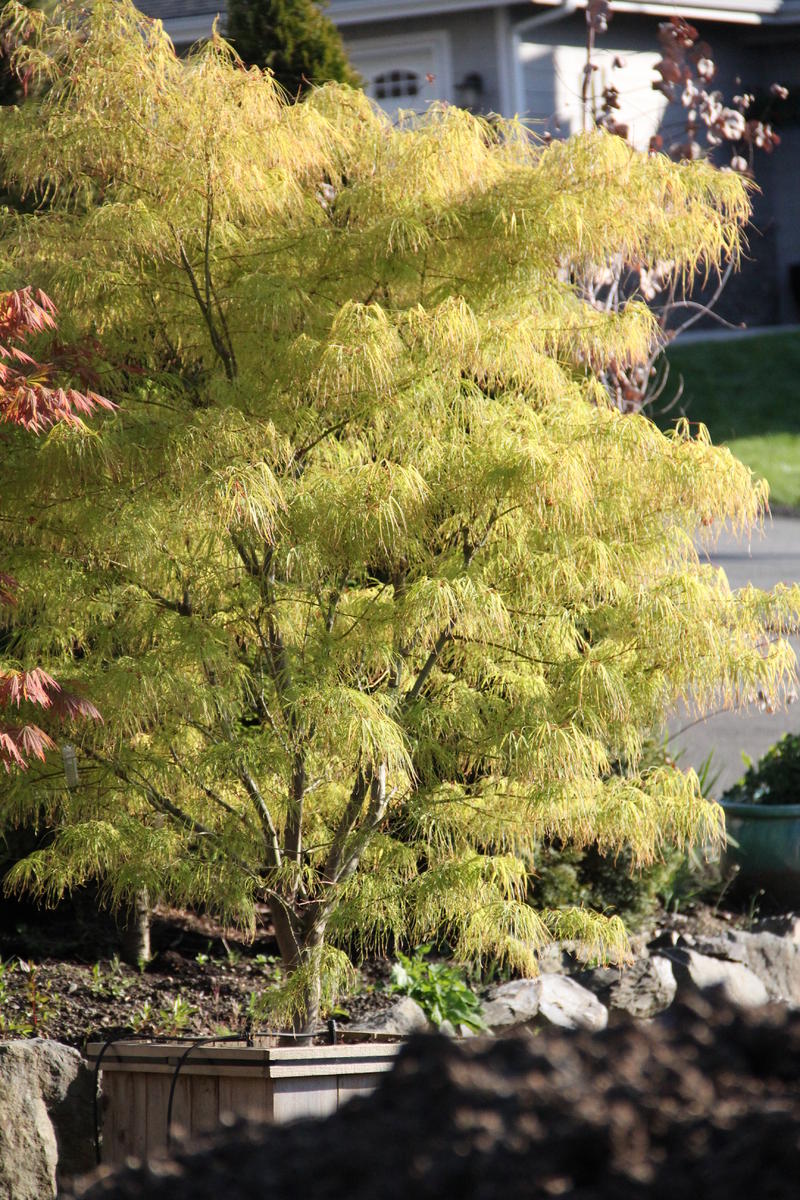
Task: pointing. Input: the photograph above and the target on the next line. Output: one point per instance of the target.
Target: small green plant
(205, 958)
(775, 779)
(12, 1023)
(42, 1005)
(177, 1018)
(143, 1018)
(96, 983)
(110, 983)
(439, 989)
(257, 1008)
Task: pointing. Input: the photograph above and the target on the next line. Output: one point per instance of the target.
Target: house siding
(473, 47)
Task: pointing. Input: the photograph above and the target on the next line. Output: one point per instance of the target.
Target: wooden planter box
(275, 1084)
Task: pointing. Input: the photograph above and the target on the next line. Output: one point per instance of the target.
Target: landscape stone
(46, 1118)
(566, 1003)
(774, 959)
(510, 1004)
(643, 989)
(786, 925)
(739, 984)
(403, 1018)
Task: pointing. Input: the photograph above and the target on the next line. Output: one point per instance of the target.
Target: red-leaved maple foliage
(29, 399)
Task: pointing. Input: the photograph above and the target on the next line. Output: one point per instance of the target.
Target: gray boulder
(510, 1004)
(774, 959)
(643, 989)
(739, 984)
(46, 1118)
(548, 1000)
(403, 1018)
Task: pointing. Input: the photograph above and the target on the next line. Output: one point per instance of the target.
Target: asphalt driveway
(767, 560)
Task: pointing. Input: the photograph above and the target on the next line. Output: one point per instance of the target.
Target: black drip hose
(246, 1037)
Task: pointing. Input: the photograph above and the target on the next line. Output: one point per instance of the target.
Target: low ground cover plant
(718, 380)
(439, 988)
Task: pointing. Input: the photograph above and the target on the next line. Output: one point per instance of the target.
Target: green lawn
(747, 391)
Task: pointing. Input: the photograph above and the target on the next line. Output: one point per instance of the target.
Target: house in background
(527, 59)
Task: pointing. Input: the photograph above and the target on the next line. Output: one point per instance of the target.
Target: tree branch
(163, 804)
(263, 814)
(422, 678)
(204, 788)
(220, 349)
(345, 827)
(378, 803)
(293, 835)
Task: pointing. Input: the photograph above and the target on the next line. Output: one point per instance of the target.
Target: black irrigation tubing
(193, 1046)
(139, 1037)
(193, 1042)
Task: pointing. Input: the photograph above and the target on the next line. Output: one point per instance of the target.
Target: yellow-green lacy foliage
(364, 529)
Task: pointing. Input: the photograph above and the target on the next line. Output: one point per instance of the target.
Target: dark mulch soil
(62, 978)
(703, 1102)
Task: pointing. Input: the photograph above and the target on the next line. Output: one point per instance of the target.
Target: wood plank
(204, 1099)
(330, 1060)
(157, 1095)
(317, 1097)
(227, 1102)
(311, 1055)
(181, 1124)
(248, 1098)
(138, 1118)
(247, 1071)
(279, 1063)
(108, 1114)
(117, 1142)
(357, 1085)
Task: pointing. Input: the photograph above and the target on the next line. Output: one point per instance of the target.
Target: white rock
(510, 1004)
(403, 1018)
(643, 989)
(564, 1002)
(740, 985)
(786, 925)
(775, 960)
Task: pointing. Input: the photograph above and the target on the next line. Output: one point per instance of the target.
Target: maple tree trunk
(297, 945)
(135, 931)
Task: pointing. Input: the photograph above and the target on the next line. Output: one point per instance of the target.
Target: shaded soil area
(704, 1101)
(61, 977)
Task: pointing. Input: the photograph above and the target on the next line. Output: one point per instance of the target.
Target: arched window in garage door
(404, 72)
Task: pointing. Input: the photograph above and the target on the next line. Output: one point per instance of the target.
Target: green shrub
(774, 780)
(609, 884)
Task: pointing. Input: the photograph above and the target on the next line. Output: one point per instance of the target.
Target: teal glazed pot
(767, 849)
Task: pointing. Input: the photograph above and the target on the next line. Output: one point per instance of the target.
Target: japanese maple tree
(374, 586)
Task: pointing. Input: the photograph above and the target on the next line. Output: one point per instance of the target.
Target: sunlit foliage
(372, 585)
